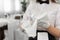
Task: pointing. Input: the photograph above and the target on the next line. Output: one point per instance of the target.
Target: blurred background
(10, 10)
(14, 6)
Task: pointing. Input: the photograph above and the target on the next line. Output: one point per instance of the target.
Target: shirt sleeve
(28, 23)
(26, 18)
(58, 18)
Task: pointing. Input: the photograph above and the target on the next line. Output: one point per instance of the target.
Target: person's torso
(39, 9)
(50, 9)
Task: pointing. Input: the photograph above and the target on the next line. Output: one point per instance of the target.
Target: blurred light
(7, 5)
(17, 5)
(1, 6)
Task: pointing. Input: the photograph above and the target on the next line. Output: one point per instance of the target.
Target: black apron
(51, 37)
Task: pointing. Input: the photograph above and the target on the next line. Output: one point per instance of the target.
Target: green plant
(24, 5)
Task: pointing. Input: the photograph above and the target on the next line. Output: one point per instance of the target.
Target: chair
(2, 35)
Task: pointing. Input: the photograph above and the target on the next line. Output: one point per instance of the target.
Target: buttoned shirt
(37, 11)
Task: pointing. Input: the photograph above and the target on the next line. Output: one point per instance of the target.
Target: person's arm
(54, 31)
(29, 22)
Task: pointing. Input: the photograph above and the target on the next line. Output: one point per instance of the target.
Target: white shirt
(37, 11)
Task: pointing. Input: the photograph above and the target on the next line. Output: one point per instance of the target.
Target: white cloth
(35, 11)
(3, 22)
(42, 36)
(14, 31)
(12, 26)
(19, 35)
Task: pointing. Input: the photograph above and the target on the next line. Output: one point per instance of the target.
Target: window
(8, 6)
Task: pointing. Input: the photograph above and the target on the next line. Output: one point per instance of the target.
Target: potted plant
(24, 5)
